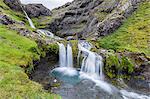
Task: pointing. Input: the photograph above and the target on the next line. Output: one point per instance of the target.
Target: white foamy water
(62, 55)
(69, 56)
(92, 63)
(65, 55)
(51, 4)
(132, 95)
(29, 20)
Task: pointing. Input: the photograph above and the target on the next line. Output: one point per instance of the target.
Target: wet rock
(36, 10)
(70, 38)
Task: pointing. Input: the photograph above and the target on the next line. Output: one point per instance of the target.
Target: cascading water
(41, 31)
(69, 56)
(91, 70)
(62, 55)
(92, 63)
(30, 21)
(65, 56)
(45, 32)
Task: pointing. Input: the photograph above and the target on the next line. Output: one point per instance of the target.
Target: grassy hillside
(133, 35)
(16, 54)
(16, 51)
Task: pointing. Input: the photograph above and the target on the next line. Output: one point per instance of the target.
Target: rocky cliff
(33, 10)
(91, 18)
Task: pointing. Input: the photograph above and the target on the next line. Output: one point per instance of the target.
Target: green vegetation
(16, 51)
(117, 65)
(42, 21)
(101, 15)
(133, 35)
(7, 11)
(14, 15)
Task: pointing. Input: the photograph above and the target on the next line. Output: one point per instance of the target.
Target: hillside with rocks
(91, 18)
(112, 35)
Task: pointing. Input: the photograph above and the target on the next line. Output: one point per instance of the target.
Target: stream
(88, 82)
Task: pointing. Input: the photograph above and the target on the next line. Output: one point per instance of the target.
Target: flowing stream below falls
(64, 79)
(88, 82)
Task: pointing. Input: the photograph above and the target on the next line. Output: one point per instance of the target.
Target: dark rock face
(13, 4)
(6, 20)
(91, 18)
(35, 10)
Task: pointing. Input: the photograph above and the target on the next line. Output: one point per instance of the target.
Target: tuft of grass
(133, 35)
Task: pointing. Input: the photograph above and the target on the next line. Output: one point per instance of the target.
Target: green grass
(16, 51)
(133, 35)
(42, 21)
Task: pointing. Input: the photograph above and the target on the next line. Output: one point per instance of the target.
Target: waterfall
(92, 63)
(65, 56)
(62, 55)
(30, 21)
(69, 56)
(46, 33)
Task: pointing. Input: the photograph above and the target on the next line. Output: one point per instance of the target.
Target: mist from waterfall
(65, 55)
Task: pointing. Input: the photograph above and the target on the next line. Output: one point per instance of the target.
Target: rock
(70, 38)
(6, 20)
(36, 10)
(91, 18)
(13, 4)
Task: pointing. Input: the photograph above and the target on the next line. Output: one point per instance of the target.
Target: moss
(53, 48)
(133, 35)
(100, 15)
(118, 66)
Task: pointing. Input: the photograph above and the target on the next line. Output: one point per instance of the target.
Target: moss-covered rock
(118, 66)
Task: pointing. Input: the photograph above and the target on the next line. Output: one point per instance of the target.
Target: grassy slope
(133, 35)
(16, 51)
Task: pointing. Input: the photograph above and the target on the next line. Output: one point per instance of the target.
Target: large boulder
(35, 10)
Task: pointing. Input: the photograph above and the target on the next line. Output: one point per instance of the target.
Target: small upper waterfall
(65, 55)
(30, 21)
(92, 63)
(41, 31)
